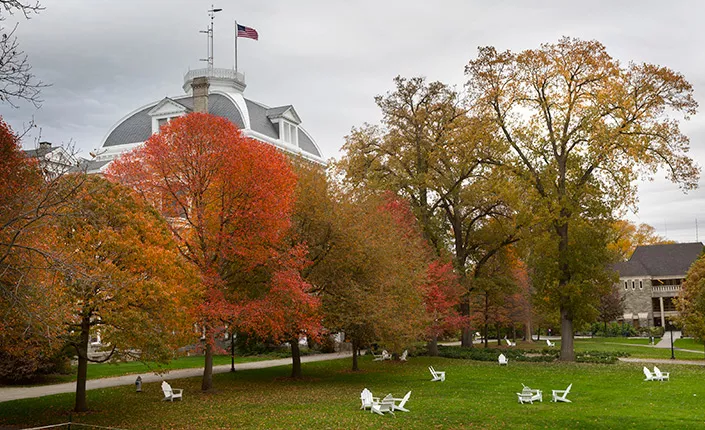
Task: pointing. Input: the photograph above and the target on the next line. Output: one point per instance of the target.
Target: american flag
(247, 32)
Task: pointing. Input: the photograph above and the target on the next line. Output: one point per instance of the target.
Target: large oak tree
(580, 128)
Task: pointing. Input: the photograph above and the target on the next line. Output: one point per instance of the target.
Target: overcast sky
(329, 58)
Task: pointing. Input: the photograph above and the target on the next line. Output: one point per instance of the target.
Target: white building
(218, 92)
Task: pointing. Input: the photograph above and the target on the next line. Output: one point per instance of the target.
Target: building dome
(218, 92)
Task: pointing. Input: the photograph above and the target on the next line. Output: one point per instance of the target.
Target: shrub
(531, 355)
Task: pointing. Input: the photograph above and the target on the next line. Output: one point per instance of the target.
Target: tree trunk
(432, 346)
(499, 341)
(514, 333)
(296, 359)
(82, 350)
(207, 382)
(567, 352)
(487, 318)
(355, 348)
(466, 337)
(527, 331)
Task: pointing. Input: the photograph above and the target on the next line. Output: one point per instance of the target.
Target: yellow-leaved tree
(580, 128)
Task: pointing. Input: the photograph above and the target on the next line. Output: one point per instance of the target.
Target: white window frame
(289, 132)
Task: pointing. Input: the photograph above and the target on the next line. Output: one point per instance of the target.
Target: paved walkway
(661, 361)
(665, 341)
(16, 393)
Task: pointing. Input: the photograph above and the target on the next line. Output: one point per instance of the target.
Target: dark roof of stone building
(661, 260)
(43, 149)
(138, 126)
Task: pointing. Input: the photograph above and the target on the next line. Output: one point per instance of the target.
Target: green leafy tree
(690, 303)
(430, 151)
(579, 129)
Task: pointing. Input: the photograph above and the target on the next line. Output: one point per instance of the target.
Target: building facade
(219, 92)
(651, 279)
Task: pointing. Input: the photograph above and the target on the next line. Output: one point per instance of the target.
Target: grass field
(636, 347)
(474, 395)
(689, 343)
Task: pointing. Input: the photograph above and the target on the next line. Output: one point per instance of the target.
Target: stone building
(651, 279)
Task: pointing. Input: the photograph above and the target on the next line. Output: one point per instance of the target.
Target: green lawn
(474, 395)
(637, 348)
(688, 343)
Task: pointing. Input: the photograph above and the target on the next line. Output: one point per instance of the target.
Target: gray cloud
(330, 58)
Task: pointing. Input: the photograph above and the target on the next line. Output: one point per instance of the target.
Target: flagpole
(235, 47)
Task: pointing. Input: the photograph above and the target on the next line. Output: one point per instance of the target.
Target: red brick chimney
(200, 94)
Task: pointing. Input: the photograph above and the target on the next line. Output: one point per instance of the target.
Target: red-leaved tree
(442, 295)
(229, 199)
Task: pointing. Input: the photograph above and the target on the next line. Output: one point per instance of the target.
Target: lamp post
(232, 351)
(673, 356)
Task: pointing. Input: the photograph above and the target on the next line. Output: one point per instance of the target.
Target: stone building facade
(651, 279)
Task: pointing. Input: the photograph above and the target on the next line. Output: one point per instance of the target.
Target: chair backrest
(366, 397)
(404, 354)
(567, 390)
(433, 371)
(386, 406)
(657, 371)
(167, 389)
(647, 373)
(405, 399)
(502, 358)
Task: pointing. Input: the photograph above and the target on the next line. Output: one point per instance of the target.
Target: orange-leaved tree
(122, 278)
(229, 199)
(32, 312)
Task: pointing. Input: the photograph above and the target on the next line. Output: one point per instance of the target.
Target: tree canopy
(579, 128)
(229, 200)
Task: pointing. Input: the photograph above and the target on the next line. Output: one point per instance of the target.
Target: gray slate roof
(138, 126)
(90, 166)
(661, 260)
(38, 152)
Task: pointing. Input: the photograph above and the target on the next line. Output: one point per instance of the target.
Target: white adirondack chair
(660, 376)
(550, 344)
(509, 342)
(561, 395)
(649, 375)
(402, 402)
(437, 376)
(171, 393)
(403, 355)
(502, 359)
(384, 356)
(529, 395)
(367, 399)
(386, 405)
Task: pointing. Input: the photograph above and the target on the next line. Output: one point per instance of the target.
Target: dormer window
(165, 111)
(289, 133)
(287, 120)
